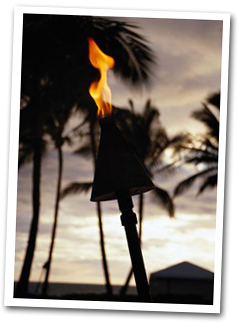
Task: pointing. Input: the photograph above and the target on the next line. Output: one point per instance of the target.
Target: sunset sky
(188, 54)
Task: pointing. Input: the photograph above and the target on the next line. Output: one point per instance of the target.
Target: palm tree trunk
(22, 286)
(102, 246)
(60, 170)
(129, 276)
(141, 206)
(99, 214)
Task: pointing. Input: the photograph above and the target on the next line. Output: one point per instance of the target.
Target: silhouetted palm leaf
(208, 119)
(187, 183)
(215, 100)
(26, 151)
(84, 151)
(76, 187)
(164, 200)
(203, 151)
(25, 154)
(210, 182)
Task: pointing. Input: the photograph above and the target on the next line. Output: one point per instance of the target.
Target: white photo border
(9, 300)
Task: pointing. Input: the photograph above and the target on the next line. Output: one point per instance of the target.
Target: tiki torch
(119, 174)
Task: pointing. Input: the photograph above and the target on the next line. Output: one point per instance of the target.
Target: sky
(188, 55)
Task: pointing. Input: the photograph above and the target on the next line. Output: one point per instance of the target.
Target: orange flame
(99, 90)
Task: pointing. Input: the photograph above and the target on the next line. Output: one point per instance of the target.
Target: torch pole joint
(129, 221)
(128, 218)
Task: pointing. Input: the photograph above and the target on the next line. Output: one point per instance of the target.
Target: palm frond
(84, 151)
(134, 58)
(206, 116)
(25, 156)
(164, 199)
(180, 142)
(201, 157)
(149, 115)
(78, 129)
(68, 139)
(210, 144)
(187, 183)
(76, 187)
(214, 99)
(206, 148)
(26, 150)
(210, 182)
(170, 169)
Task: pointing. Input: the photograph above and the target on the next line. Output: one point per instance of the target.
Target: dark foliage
(202, 152)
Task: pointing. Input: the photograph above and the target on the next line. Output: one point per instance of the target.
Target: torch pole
(129, 221)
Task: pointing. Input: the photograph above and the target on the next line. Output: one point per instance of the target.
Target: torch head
(118, 168)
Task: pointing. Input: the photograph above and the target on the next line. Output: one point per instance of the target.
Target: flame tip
(99, 90)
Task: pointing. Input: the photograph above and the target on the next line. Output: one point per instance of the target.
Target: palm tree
(202, 151)
(56, 71)
(56, 127)
(149, 141)
(92, 125)
(32, 146)
(90, 148)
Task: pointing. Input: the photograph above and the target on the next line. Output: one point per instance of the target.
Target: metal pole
(129, 221)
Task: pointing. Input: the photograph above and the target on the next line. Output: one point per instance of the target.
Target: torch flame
(99, 90)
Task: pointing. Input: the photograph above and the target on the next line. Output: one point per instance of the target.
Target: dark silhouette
(149, 140)
(91, 148)
(183, 283)
(119, 175)
(38, 285)
(56, 126)
(91, 120)
(56, 72)
(202, 151)
(32, 145)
